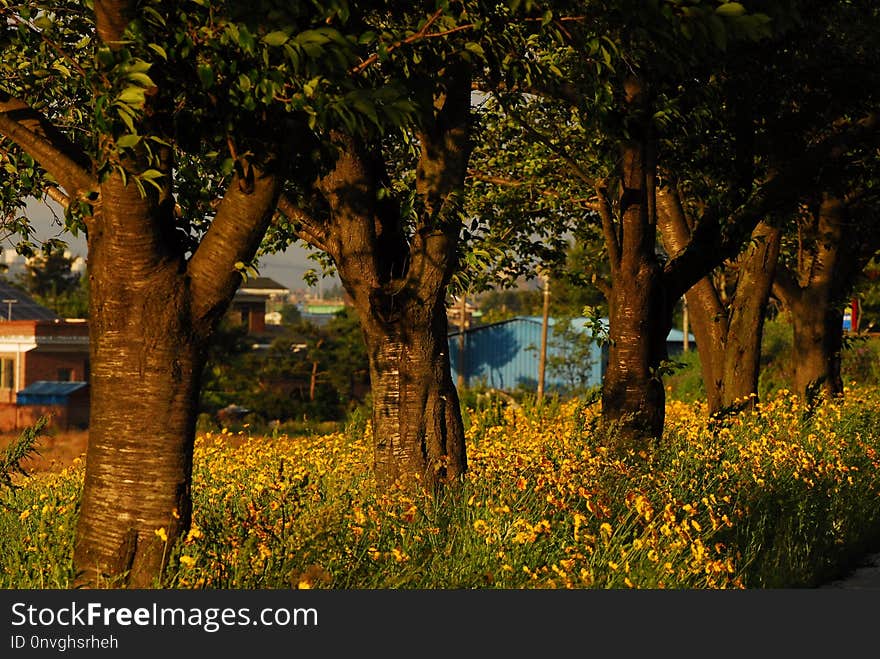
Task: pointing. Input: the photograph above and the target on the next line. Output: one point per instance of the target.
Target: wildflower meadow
(784, 496)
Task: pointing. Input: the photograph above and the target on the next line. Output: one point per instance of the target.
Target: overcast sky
(286, 268)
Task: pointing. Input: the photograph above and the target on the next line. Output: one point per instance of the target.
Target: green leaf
(276, 38)
(137, 66)
(133, 96)
(151, 174)
(128, 141)
(156, 48)
(142, 79)
(731, 9)
(206, 75)
(474, 48)
(125, 114)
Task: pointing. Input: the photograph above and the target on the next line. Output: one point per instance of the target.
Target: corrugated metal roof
(677, 336)
(45, 392)
(52, 388)
(15, 304)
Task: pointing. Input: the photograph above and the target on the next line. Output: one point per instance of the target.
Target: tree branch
(575, 167)
(305, 226)
(589, 204)
(785, 286)
(710, 245)
(417, 36)
(58, 197)
(52, 44)
(40, 139)
(234, 236)
(612, 243)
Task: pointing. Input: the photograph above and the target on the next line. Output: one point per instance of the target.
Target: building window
(7, 373)
(65, 375)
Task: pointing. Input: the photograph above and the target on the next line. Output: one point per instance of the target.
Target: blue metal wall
(505, 355)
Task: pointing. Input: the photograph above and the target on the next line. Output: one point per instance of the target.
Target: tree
(389, 216)
(168, 131)
(619, 75)
(796, 101)
(49, 278)
(309, 371)
(837, 237)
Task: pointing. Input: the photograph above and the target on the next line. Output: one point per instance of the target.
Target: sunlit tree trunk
(152, 314)
(397, 278)
(416, 415)
(633, 398)
(728, 335)
(145, 368)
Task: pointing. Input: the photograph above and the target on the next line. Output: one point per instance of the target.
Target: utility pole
(9, 303)
(684, 324)
(542, 363)
(462, 326)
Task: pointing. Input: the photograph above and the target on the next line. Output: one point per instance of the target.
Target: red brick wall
(45, 365)
(18, 417)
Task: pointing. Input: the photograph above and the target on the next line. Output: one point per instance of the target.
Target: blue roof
(504, 355)
(50, 388)
(45, 392)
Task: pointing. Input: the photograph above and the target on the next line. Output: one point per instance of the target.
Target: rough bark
(416, 415)
(817, 328)
(827, 262)
(149, 330)
(633, 398)
(705, 310)
(146, 363)
(728, 333)
(397, 281)
(747, 311)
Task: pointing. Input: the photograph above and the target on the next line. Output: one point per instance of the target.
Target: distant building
(38, 346)
(454, 314)
(320, 311)
(253, 300)
(66, 402)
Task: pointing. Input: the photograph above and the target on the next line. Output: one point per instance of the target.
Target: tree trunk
(146, 365)
(397, 276)
(818, 341)
(152, 313)
(827, 262)
(633, 398)
(706, 313)
(417, 422)
(728, 336)
(742, 346)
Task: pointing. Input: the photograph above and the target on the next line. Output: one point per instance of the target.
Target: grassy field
(783, 497)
